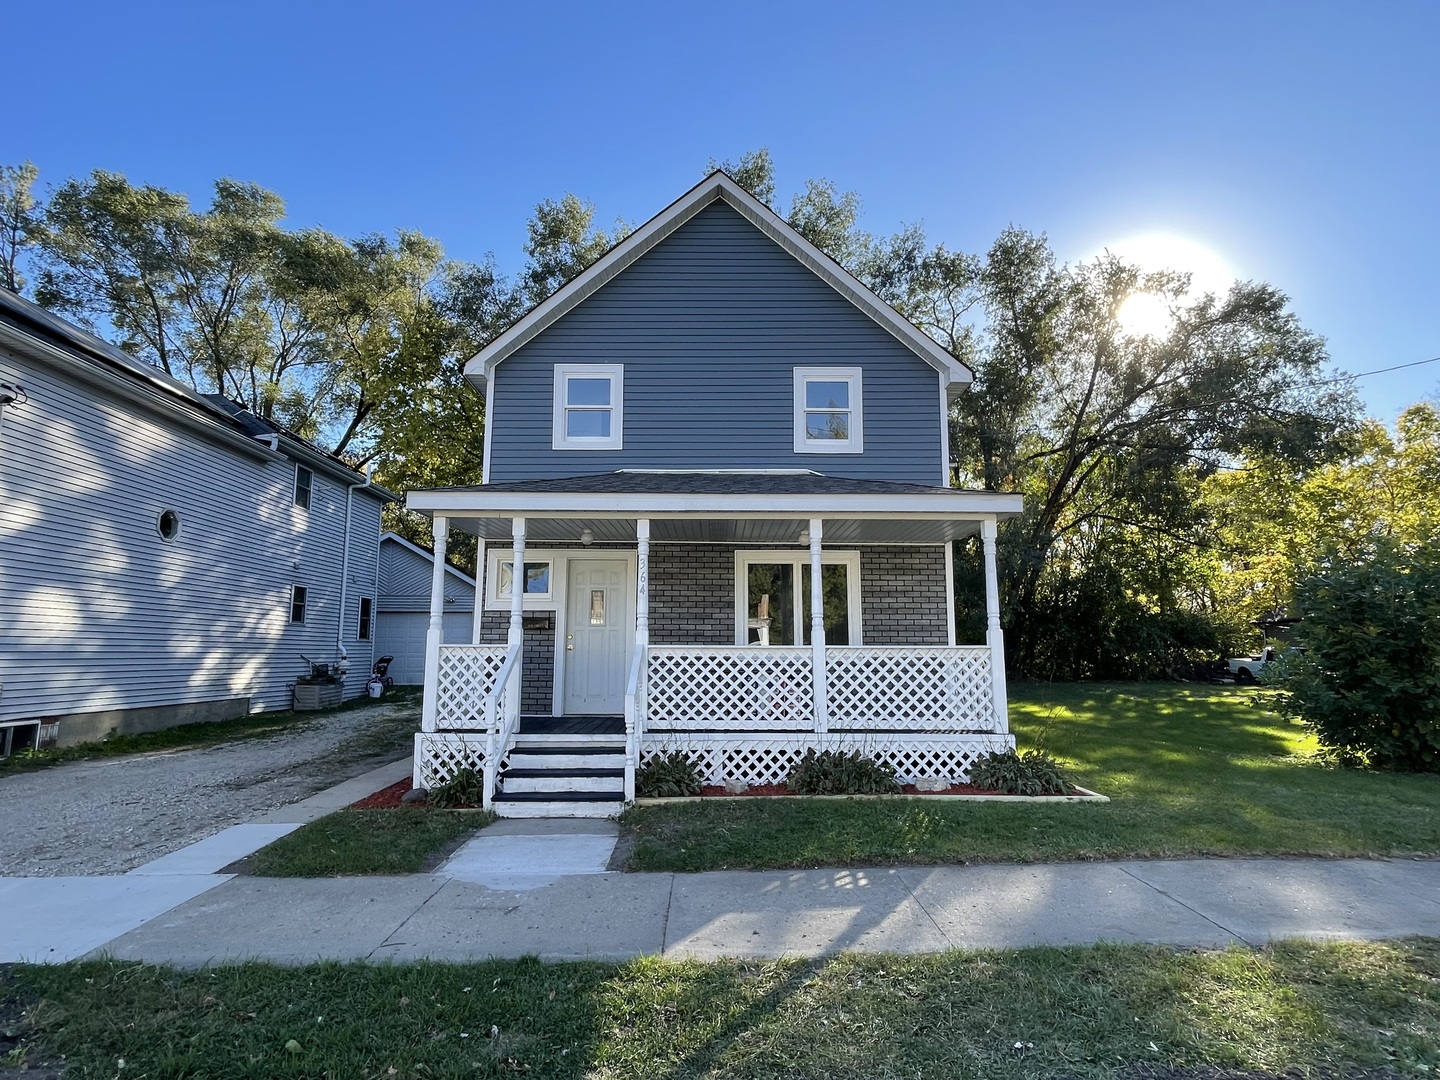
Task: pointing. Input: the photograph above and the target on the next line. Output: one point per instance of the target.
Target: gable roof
(427, 555)
(718, 186)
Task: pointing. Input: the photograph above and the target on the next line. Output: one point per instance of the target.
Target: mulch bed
(386, 799)
(715, 791)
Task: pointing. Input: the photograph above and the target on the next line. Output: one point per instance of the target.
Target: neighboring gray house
(402, 609)
(723, 464)
(165, 556)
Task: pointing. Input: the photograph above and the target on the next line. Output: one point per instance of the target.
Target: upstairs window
(827, 410)
(589, 406)
(299, 600)
(304, 481)
(362, 629)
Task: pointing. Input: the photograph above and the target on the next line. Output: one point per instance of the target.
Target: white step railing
(467, 677)
(502, 719)
(729, 688)
(910, 688)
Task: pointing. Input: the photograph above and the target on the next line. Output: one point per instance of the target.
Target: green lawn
(403, 841)
(1363, 1009)
(255, 726)
(1190, 770)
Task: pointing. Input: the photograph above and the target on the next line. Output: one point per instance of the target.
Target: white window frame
(855, 444)
(295, 595)
(563, 374)
(309, 488)
(849, 559)
(365, 620)
(495, 600)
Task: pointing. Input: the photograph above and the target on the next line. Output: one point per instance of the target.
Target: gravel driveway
(112, 815)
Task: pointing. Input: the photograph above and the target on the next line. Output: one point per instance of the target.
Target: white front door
(600, 624)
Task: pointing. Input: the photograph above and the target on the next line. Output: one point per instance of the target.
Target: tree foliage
(1369, 680)
(19, 220)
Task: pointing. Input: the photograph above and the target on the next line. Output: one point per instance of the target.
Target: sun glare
(1146, 314)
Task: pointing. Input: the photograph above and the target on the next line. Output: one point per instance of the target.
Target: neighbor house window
(539, 574)
(362, 629)
(589, 406)
(304, 480)
(827, 410)
(772, 597)
(299, 596)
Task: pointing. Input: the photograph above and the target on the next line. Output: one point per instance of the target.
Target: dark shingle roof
(704, 483)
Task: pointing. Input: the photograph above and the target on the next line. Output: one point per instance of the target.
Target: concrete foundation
(78, 728)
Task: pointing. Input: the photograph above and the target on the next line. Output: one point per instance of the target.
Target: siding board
(98, 613)
(709, 325)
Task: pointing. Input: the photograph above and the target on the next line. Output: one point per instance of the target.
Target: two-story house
(165, 556)
(720, 464)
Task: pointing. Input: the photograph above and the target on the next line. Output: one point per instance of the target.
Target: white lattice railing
(910, 688)
(728, 688)
(502, 718)
(467, 675)
(768, 759)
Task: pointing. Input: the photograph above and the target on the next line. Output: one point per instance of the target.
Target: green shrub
(1368, 683)
(466, 788)
(669, 777)
(832, 772)
(1034, 772)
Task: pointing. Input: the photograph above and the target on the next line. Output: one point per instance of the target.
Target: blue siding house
(165, 556)
(716, 520)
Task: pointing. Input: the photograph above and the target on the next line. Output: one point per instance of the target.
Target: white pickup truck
(1247, 668)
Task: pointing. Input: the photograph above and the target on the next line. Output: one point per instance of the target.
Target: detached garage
(402, 612)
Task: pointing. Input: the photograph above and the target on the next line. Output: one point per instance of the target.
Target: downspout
(345, 565)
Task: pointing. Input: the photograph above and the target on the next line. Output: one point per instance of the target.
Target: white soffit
(717, 185)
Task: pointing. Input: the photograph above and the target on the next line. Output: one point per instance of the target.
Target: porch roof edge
(938, 503)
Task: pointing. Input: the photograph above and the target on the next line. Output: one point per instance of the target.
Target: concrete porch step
(548, 804)
(518, 781)
(565, 756)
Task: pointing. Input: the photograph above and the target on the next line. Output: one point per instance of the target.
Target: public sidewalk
(539, 888)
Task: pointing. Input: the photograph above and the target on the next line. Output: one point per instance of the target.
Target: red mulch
(388, 799)
(715, 791)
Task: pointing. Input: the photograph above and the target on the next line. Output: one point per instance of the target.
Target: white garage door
(402, 634)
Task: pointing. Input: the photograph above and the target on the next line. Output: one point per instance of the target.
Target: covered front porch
(736, 618)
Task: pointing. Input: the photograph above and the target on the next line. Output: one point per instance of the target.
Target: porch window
(500, 580)
(828, 414)
(772, 593)
(589, 407)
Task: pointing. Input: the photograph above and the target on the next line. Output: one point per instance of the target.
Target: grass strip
(1190, 770)
(195, 736)
(1367, 1009)
(398, 841)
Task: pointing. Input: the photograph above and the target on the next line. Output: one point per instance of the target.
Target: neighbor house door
(600, 623)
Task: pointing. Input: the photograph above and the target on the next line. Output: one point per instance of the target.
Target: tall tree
(19, 220)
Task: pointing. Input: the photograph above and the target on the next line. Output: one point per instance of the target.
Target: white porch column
(994, 636)
(817, 629)
(479, 612)
(642, 582)
(516, 638)
(440, 529)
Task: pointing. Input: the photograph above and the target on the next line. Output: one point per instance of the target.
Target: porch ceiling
(773, 529)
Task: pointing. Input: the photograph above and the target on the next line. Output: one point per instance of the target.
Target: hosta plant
(669, 777)
(1034, 772)
(832, 772)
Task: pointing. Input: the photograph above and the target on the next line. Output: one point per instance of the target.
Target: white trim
(854, 378)
(560, 587)
(944, 435)
(615, 374)
(798, 557)
(489, 430)
(494, 601)
(939, 504)
(721, 472)
(950, 591)
(716, 186)
(428, 556)
(290, 619)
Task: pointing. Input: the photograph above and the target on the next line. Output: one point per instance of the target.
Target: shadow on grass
(1104, 1011)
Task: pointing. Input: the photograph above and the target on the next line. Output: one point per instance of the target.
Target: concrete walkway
(540, 888)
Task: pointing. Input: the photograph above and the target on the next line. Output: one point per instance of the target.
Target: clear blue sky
(1300, 141)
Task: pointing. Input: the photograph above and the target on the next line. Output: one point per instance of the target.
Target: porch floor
(572, 725)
